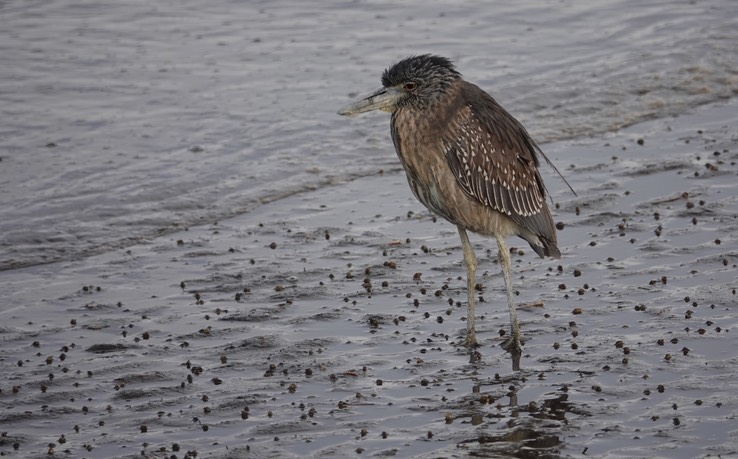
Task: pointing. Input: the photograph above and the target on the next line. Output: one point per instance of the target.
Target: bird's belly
(448, 201)
(430, 196)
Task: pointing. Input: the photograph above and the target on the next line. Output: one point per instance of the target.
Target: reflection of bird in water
(467, 160)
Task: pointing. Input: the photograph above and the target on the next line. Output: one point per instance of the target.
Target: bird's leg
(470, 260)
(513, 343)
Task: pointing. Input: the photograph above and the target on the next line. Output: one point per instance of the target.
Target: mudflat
(329, 323)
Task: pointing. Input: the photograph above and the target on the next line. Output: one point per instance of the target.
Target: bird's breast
(420, 149)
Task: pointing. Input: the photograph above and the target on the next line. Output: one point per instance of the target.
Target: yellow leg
(513, 344)
(470, 260)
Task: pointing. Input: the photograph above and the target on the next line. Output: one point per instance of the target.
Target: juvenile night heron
(467, 160)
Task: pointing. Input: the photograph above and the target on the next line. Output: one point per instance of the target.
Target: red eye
(409, 86)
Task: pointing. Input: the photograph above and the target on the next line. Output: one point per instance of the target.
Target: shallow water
(292, 330)
(129, 120)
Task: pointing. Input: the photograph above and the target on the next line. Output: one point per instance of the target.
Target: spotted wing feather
(494, 161)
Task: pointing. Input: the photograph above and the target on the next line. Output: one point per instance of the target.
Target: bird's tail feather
(543, 247)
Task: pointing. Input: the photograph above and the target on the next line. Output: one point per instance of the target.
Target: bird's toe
(513, 344)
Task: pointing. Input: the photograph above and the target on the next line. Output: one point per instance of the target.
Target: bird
(468, 160)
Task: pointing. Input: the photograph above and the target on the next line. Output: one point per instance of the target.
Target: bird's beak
(384, 99)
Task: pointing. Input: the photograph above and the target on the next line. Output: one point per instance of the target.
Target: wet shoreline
(330, 323)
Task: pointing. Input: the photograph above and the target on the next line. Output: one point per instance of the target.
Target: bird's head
(417, 81)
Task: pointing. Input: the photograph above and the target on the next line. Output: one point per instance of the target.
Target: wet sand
(329, 323)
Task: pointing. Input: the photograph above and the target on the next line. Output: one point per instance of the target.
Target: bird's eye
(410, 85)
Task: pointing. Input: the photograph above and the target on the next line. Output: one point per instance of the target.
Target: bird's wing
(495, 163)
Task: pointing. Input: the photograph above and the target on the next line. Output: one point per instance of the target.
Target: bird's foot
(513, 344)
(471, 340)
